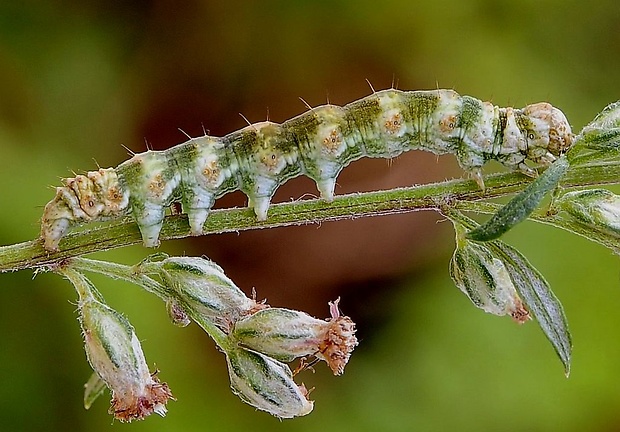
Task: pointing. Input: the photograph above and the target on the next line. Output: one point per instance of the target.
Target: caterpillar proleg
(319, 144)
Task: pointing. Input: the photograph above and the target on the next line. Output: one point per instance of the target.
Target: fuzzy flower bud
(176, 313)
(266, 384)
(201, 288)
(115, 354)
(485, 279)
(598, 209)
(287, 334)
(603, 133)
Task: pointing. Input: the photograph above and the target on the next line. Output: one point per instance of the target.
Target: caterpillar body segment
(319, 144)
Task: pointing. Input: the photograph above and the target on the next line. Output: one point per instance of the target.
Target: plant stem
(424, 197)
(119, 271)
(128, 273)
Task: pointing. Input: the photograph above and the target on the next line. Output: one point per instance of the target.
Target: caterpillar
(318, 143)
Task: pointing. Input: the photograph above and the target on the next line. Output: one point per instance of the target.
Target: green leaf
(540, 300)
(522, 205)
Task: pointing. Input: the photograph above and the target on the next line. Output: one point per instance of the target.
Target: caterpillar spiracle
(318, 143)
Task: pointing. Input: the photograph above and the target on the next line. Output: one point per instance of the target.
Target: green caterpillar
(318, 143)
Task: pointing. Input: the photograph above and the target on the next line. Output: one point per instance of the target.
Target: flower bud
(286, 334)
(200, 287)
(603, 133)
(485, 279)
(266, 384)
(608, 118)
(598, 209)
(114, 352)
(176, 313)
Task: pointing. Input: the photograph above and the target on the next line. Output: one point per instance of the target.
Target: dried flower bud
(115, 354)
(266, 384)
(485, 279)
(287, 334)
(200, 287)
(598, 209)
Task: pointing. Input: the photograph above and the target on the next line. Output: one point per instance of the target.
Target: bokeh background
(81, 79)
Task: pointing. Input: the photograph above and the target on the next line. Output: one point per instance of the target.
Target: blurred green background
(80, 79)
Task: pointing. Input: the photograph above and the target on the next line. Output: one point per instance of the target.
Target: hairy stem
(129, 274)
(424, 197)
(119, 271)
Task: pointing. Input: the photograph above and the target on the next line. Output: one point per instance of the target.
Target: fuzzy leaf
(540, 300)
(522, 205)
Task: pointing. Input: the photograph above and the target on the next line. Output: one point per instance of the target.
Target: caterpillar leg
(151, 179)
(476, 175)
(542, 158)
(326, 188)
(197, 204)
(259, 190)
(59, 214)
(53, 231)
(197, 219)
(150, 235)
(260, 206)
(150, 219)
(530, 172)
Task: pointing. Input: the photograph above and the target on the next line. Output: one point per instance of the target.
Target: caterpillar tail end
(94, 196)
(56, 220)
(52, 231)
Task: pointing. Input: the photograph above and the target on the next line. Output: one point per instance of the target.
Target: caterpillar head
(551, 126)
